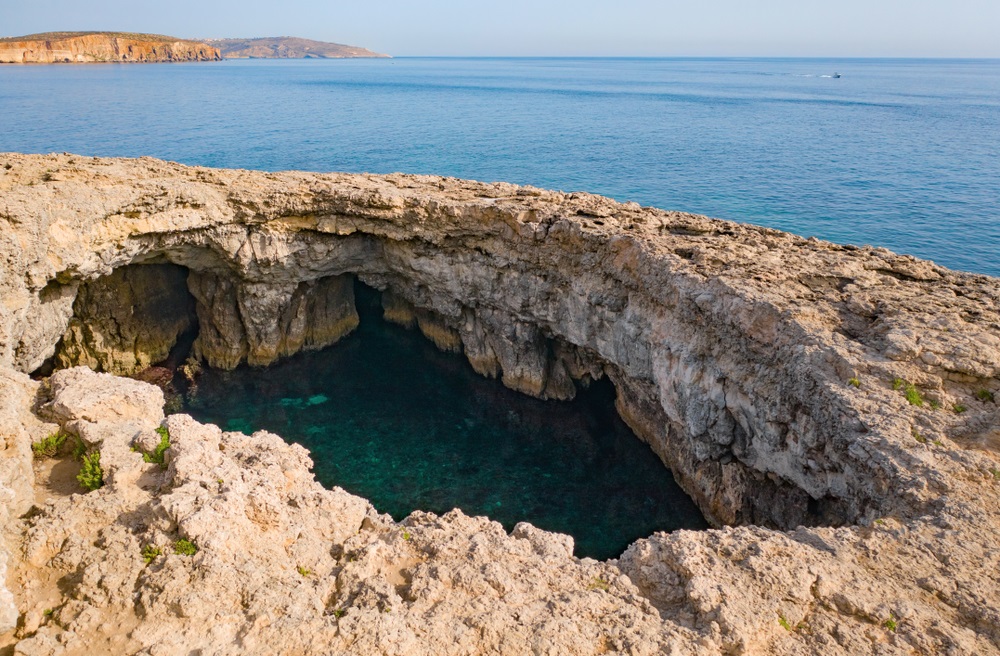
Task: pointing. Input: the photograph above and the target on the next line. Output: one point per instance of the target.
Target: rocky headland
(832, 410)
(102, 47)
(288, 47)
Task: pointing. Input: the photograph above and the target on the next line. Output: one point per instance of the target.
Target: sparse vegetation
(157, 456)
(918, 437)
(597, 583)
(995, 472)
(854, 382)
(959, 408)
(185, 547)
(935, 405)
(406, 534)
(892, 623)
(150, 553)
(985, 395)
(898, 383)
(50, 446)
(91, 476)
(304, 571)
(913, 396)
(79, 449)
(784, 623)
(339, 612)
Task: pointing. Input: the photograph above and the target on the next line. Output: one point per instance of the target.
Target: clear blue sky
(847, 28)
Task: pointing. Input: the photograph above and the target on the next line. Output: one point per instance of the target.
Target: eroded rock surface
(785, 381)
(91, 47)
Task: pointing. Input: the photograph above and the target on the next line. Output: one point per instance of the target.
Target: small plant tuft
(598, 583)
(784, 623)
(854, 382)
(898, 383)
(406, 534)
(935, 405)
(50, 446)
(185, 547)
(157, 455)
(339, 612)
(959, 408)
(892, 623)
(91, 476)
(918, 437)
(984, 395)
(913, 396)
(150, 553)
(304, 571)
(79, 449)
(995, 472)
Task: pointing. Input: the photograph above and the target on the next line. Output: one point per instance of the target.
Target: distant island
(288, 47)
(93, 47)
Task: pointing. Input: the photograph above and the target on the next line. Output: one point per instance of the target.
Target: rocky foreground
(832, 409)
(102, 47)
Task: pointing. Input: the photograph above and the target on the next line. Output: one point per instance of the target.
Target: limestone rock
(88, 47)
(841, 399)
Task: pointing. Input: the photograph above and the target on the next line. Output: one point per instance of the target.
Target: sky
(644, 28)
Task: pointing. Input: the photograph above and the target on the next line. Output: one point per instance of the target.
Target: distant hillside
(287, 47)
(91, 47)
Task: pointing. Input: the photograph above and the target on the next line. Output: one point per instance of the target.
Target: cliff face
(288, 47)
(785, 381)
(90, 47)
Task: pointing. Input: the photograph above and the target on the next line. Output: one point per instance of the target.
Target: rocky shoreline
(102, 47)
(832, 409)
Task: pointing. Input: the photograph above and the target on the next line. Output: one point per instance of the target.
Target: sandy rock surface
(835, 405)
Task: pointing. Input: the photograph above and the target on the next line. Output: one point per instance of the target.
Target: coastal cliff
(831, 409)
(104, 47)
(288, 47)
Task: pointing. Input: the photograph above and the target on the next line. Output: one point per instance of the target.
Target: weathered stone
(760, 366)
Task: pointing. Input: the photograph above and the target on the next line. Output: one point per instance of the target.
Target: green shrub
(157, 454)
(854, 382)
(891, 623)
(913, 396)
(898, 383)
(50, 446)
(185, 547)
(304, 571)
(91, 475)
(150, 553)
(984, 395)
(79, 449)
(959, 408)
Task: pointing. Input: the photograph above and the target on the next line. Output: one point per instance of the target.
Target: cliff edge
(833, 410)
(102, 47)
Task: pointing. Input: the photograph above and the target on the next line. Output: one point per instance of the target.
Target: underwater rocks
(842, 398)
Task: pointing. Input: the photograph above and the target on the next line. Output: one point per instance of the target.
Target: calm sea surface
(897, 153)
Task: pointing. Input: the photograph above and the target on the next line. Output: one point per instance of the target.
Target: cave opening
(387, 415)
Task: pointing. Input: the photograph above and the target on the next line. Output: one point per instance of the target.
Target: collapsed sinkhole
(393, 417)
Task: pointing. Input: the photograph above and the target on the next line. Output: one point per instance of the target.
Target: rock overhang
(760, 366)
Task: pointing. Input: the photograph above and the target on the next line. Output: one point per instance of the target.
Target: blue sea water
(895, 153)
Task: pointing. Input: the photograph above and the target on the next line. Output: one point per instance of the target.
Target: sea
(900, 153)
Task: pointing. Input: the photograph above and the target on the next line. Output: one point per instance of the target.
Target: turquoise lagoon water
(896, 153)
(387, 416)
